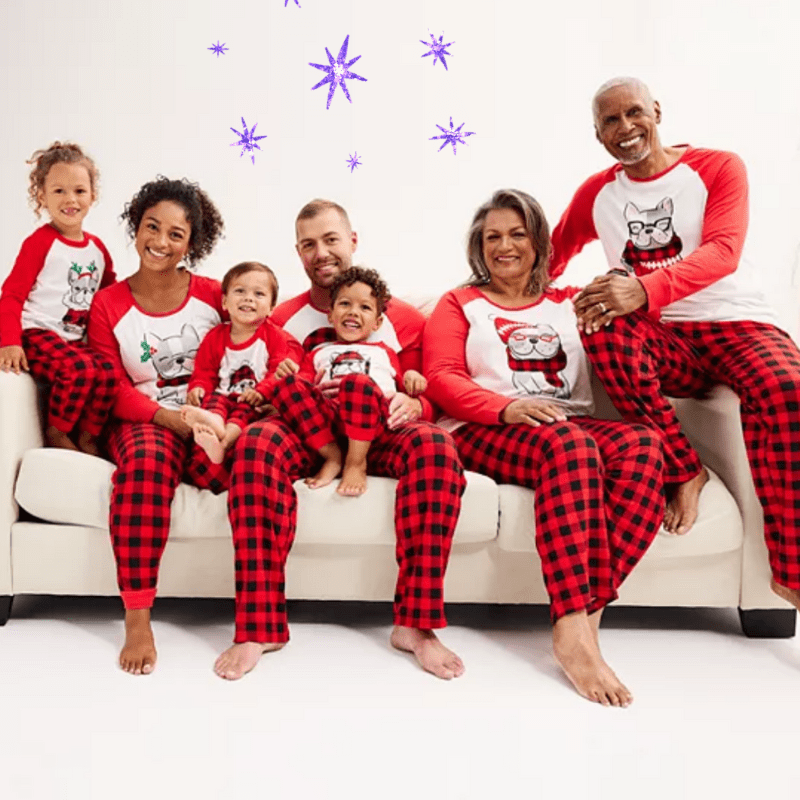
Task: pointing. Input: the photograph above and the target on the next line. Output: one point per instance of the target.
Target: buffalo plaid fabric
(263, 512)
(637, 257)
(82, 384)
(230, 409)
(151, 460)
(599, 499)
(640, 360)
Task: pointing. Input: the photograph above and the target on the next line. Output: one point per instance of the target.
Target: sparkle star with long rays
(452, 136)
(353, 161)
(247, 141)
(218, 48)
(436, 49)
(338, 71)
(286, 3)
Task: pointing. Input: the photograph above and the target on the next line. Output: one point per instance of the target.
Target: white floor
(338, 714)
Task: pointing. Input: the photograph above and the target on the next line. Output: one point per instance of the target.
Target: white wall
(135, 84)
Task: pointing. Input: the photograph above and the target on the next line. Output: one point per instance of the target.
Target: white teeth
(154, 253)
(630, 142)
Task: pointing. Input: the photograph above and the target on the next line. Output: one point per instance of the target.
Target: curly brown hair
(201, 214)
(57, 153)
(360, 275)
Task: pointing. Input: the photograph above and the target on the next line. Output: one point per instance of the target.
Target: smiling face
(507, 246)
(354, 313)
(325, 245)
(162, 239)
(67, 195)
(626, 120)
(249, 299)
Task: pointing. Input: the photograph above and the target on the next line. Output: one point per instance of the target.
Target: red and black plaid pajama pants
(263, 512)
(599, 498)
(151, 462)
(82, 383)
(642, 361)
(230, 408)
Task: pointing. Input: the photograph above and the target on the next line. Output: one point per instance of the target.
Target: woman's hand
(402, 409)
(285, 368)
(533, 412)
(173, 420)
(606, 297)
(195, 396)
(12, 359)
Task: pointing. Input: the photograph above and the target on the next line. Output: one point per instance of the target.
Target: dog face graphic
(534, 341)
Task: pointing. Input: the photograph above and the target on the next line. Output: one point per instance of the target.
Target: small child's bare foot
(88, 443)
(683, 505)
(192, 415)
(56, 438)
(431, 654)
(239, 659)
(207, 440)
(354, 480)
(790, 595)
(138, 655)
(331, 467)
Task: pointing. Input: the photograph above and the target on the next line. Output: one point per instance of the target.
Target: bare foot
(790, 595)
(431, 654)
(328, 472)
(578, 654)
(138, 656)
(239, 659)
(88, 443)
(681, 511)
(208, 441)
(594, 624)
(56, 438)
(192, 415)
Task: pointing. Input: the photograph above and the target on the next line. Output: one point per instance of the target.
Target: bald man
(679, 310)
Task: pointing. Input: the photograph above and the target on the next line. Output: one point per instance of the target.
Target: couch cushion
(72, 488)
(718, 528)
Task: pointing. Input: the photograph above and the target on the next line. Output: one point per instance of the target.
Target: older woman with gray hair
(504, 361)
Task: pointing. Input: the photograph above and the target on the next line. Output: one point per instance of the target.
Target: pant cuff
(138, 599)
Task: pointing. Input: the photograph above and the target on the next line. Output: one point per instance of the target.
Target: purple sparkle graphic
(247, 141)
(338, 72)
(452, 136)
(353, 161)
(286, 3)
(218, 48)
(437, 49)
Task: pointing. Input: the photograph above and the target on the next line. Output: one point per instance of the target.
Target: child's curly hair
(57, 153)
(201, 214)
(360, 275)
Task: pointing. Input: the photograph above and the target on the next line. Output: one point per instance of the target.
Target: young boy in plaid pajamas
(370, 373)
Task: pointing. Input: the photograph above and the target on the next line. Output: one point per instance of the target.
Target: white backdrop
(136, 85)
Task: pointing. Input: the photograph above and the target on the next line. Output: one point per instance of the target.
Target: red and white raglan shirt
(401, 331)
(51, 285)
(480, 356)
(156, 351)
(228, 368)
(681, 233)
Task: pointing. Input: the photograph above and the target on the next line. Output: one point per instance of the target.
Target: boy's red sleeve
(206, 363)
(280, 345)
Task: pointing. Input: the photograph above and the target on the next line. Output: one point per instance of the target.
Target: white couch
(54, 531)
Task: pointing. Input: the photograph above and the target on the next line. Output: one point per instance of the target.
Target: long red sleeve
(206, 364)
(280, 345)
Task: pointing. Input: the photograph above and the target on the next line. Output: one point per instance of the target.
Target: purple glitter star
(353, 161)
(338, 71)
(286, 3)
(452, 136)
(218, 48)
(437, 49)
(247, 141)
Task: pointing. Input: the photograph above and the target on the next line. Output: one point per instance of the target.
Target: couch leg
(768, 623)
(5, 607)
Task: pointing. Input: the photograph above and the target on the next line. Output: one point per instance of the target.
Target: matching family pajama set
(154, 355)
(681, 233)
(598, 483)
(263, 504)
(43, 308)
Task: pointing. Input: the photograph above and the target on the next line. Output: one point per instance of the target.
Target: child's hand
(285, 368)
(414, 382)
(251, 397)
(195, 396)
(12, 358)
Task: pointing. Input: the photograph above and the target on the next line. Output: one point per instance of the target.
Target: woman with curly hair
(150, 326)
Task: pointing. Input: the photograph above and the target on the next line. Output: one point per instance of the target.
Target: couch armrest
(713, 426)
(20, 430)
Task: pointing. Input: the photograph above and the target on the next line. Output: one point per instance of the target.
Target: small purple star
(247, 141)
(353, 161)
(437, 49)
(218, 48)
(452, 136)
(286, 3)
(338, 72)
